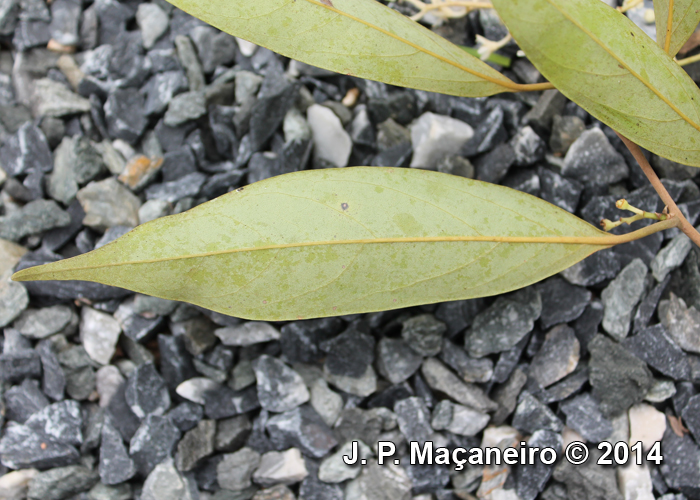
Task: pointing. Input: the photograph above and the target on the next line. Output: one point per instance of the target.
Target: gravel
(109, 395)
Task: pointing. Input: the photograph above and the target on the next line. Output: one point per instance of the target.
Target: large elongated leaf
(363, 38)
(602, 61)
(341, 241)
(686, 16)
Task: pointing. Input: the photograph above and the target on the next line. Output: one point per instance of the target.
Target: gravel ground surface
(107, 395)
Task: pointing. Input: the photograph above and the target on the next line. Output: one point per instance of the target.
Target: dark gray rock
(561, 302)
(312, 488)
(186, 415)
(441, 379)
(413, 418)
(121, 415)
(175, 362)
(469, 369)
(19, 364)
(619, 379)
(427, 478)
(24, 400)
(530, 479)
(532, 415)
(224, 402)
(424, 334)
(213, 47)
(125, 112)
(280, 388)
(565, 388)
(594, 269)
(557, 357)
(396, 361)
(234, 471)
(550, 104)
(153, 441)
(505, 323)
(506, 395)
(232, 433)
(490, 132)
(53, 379)
(161, 88)
(691, 416)
(565, 130)
(300, 340)
(558, 190)
(655, 347)
(65, 19)
(301, 428)
(61, 483)
(359, 424)
(647, 307)
(589, 480)
(591, 158)
(26, 151)
(22, 447)
(583, 415)
(195, 445)
(494, 165)
(268, 113)
(146, 392)
(529, 148)
(349, 354)
(115, 465)
(60, 421)
(174, 191)
(681, 465)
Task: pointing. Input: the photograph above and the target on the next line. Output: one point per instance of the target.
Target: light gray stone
(280, 467)
(52, 98)
(109, 203)
(435, 137)
(153, 23)
(235, 469)
(333, 468)
(331, 142)
(249, 333)
(99, 333)
(13, 300)
(44, 322)
(620, 297)
(458, 419)
(165, 483)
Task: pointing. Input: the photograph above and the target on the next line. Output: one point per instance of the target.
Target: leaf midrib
(502, 83)
(623, 63)
(604, 241)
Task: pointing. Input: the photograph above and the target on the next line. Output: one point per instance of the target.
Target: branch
(673, 209)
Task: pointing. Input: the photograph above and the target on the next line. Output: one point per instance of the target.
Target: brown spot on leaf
(327, 2)
(344, 206)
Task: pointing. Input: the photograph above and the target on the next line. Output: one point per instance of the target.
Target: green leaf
(494, 58)
(602, 61)
(363, 38)
(686, 16)
(341, 241)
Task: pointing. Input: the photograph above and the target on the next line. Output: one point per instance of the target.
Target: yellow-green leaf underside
(340, 241)
(602, 61)
(362, 38)
(686, 16)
